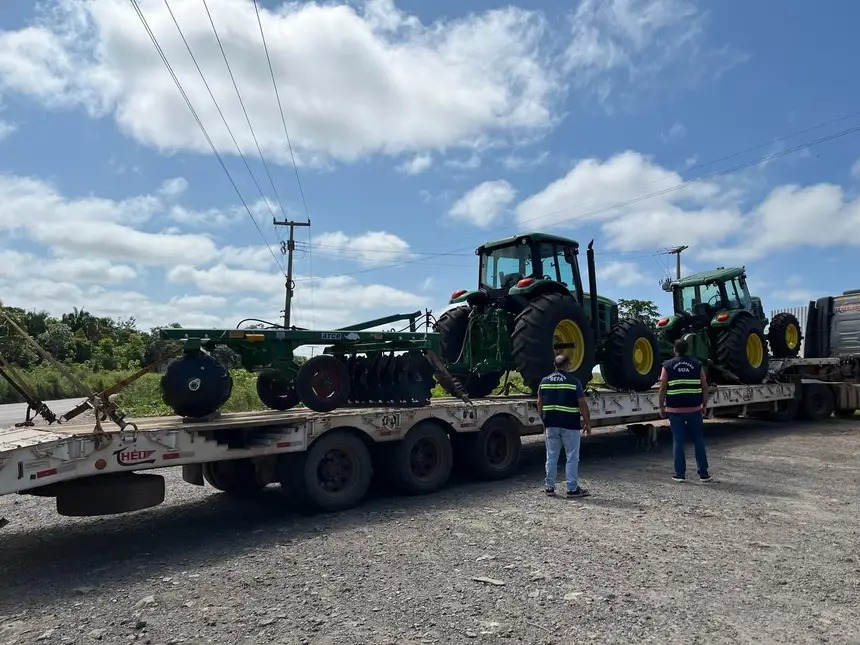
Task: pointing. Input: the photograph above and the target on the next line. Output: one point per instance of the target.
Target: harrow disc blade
(359, 379)
(195, 385)
(371, 378)
(419, 378)
(385, 391)
(399, 378)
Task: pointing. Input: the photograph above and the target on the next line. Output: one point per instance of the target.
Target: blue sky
(420, 130)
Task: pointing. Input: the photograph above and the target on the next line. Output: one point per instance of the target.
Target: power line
(292, 155)
(245, 111)
(644, 197)
(200, 124)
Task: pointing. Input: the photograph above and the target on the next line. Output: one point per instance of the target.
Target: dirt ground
(767, 553)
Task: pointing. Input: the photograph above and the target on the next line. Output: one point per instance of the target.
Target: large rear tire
(549, 320)
(630, 357)
(452, 326)
(784, 335)
(742, 349)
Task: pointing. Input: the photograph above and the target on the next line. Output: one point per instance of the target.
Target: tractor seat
(507, 281)
(703, 310)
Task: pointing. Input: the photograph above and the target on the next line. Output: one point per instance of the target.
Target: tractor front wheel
(552, 324)
(630, 357)
(784, 335)
(742, 349)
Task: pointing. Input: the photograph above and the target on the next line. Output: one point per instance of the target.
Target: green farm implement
(725, 326)
(530, 305)
(358, 365)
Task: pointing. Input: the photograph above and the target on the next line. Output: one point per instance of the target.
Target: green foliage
(645, 310)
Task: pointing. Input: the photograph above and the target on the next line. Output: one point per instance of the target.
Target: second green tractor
(530, 305)
(725, 326)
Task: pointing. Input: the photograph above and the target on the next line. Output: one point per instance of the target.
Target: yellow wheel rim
(755, 350)
(643, 356)
(792, 336)
(566, 332)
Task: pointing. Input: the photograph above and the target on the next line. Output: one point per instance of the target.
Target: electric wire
(292, 154)
(245, 112)
(640, 198)
(221, 113)
(200, 124)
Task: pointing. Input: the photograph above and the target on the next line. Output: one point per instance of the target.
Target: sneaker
(550, 492)
(579, 492)
(706, 478)
(678, 478)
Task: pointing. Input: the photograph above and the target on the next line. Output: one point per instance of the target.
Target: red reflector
(723, 317)
(46, 473)
(457, 294)
(662, 322)
(522, 284)
(100, 463)
(170, 455)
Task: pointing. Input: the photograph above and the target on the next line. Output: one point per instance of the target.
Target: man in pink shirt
(683, 395)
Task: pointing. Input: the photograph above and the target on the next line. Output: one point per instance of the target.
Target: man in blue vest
(561, 404)
(683, 394)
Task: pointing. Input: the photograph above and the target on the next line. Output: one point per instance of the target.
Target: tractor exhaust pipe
(592, 288)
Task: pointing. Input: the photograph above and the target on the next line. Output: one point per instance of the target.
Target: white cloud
(818, 216)
(633, 43)
(472, 162)
(484, 204)
(209, 218)
(417, 164)
(517, 162)
(620, 274)
(173, 187)
(611, 192)
(18, 265)
(677, 131)
(353, 81)
(6, 129)
(372, 248)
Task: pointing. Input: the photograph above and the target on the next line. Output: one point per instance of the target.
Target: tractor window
(739, 297)
(553, 265)
(700, 295)
(502, 268)
(709, 294)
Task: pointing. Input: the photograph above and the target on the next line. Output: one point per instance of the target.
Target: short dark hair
(561, 361)
(682, 347)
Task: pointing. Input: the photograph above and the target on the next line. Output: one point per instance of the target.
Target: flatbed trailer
(325, 461)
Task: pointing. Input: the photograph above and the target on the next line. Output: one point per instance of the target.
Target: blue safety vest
(685, 386)
(560, 392)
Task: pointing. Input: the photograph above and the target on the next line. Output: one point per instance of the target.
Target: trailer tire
(323, 383)
(233, 476)
(110, 494)
(421, 462)
(491, 453)
(786, 410)
(817, 402)
(303, 475)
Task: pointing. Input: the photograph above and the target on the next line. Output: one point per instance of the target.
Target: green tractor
(529, 306)
(725, 326)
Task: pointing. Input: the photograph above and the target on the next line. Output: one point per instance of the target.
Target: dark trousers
(688, 425)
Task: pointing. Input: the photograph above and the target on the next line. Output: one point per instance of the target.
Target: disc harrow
(357, 366)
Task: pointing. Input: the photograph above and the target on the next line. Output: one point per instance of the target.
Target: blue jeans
(555, 437)
(683, 425)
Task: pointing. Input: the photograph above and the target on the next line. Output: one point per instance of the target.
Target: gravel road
(769, 552)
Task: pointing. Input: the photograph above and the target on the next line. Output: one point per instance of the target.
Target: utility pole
(290, 247)
(676, 251)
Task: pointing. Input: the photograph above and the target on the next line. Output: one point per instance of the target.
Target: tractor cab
(702, 297)
(513, 269)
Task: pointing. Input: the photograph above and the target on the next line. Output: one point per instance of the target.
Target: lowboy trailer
(325, 461)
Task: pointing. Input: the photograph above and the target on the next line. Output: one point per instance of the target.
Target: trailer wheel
(817, 402)
(786, 410)
(323, 383)
(333, 475)
(235, 476)
(493, 452)
(275, 392)
(421, 463)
